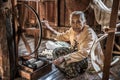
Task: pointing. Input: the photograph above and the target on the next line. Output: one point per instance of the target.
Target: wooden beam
(4, 53)
(7, 67)
(110, 40)
(15, 28)
(56, 13)
(61, 12)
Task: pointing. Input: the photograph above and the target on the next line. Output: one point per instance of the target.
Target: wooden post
(15, 27)
(61, 14)
(110, 40)
(4, 52)
(7, 58)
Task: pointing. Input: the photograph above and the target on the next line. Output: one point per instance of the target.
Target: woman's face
(76, 23)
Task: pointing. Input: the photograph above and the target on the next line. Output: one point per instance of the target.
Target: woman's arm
(46, 24)
(83, 49)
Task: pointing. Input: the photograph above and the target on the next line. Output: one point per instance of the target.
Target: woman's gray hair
(78, 13)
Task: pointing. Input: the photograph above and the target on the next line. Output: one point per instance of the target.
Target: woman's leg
(72, 70)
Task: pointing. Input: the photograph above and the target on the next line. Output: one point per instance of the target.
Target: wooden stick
(110, 40)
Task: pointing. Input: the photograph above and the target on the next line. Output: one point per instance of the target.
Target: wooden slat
(31, 31)
(37, 73)
(42, 10)
(56, 13)
(26, 43)
(110, 40)
(55, 74)
(62, 12)
(35, 44)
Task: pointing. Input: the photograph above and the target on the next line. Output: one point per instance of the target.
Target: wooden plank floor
(55, 74)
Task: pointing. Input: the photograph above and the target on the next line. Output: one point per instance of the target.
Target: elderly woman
(74, 61)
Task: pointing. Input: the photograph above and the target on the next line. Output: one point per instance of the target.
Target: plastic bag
(52, 45)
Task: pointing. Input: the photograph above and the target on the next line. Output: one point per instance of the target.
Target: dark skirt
(73, 69)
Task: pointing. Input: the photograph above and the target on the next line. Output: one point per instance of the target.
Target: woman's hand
(58, 61)
(45, 23)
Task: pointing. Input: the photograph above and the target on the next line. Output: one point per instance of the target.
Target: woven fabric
(73, 69)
